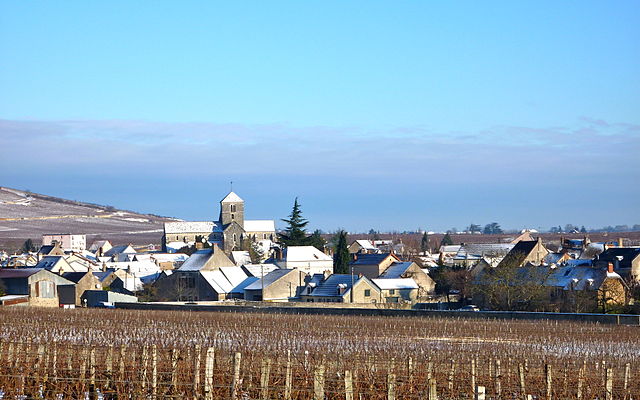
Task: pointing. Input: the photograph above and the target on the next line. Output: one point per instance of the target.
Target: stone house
(40, 285)
(59, 265)
(340, 288)
(625, 260)
(67, 241)
(83, 281)
(400, 270)
(526, 252)
(307, 259)
(278, 285)
(372, 265)
(398, 290)
(363, 246)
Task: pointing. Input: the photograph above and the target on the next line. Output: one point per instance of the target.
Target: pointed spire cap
(232, 198)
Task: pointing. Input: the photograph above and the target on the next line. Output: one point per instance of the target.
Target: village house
(625, 260)
(99, 247)
(402, 290)
(363, 246)
(307, 259)
(67, 241)
(340, 288)
(53, 249)
(59, 265)
(40, 285)
(82, 281)
(278, 285)
(409, 270)
(229, 231)
(372, 265)
(526, 252)
(586, 288)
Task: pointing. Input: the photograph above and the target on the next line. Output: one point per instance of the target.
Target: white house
(307, 259)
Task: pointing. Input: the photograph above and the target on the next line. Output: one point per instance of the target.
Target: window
(46, 289)
(235, 238)
(367, 293)
(392, 291)
(233, 209)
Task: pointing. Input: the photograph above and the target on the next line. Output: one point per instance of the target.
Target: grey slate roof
(329, 287)
(369, 259)
(396, 270)
(628, 254)
(269, 278)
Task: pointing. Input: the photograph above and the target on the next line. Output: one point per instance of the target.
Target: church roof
(257, 225)
(232, 198)
(191, 227)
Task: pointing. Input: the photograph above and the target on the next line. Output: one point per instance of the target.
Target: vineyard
(103, 354)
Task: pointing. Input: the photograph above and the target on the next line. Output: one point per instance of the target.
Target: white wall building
(67, 241)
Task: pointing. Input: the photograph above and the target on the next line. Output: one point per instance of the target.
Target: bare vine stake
(196, 372)
(318, 383)
(208, 373)
(10, 354)
(83, 367)
(92, 369)
(523, 391)
(627, 372)
(609, 384)
(145, 356)
(348, 385)
(547, 372)
(121, 364)
(498, 379)
(433, 391)
(429, 370)
(473, 376)
(235, 384)
(581, 379)
(154, 371)
(175, 354)
(38, 363)
(452, 372)
(264, 378)
(480, 393)
(109, 366)
(391, 386)
(54, 361)
(288, 377)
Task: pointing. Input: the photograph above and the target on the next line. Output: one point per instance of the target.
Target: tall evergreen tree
(28, 246)
(446, 240)
(424, 243)
(341, 255)
(294, 234)
(316, 240)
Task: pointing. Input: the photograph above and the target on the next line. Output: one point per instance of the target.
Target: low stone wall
(304, 308)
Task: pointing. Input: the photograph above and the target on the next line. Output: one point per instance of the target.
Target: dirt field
(182, 354)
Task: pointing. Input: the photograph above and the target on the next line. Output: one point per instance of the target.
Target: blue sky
(377, 114)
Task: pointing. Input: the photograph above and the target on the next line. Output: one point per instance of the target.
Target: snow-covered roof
(259, 225)
(217, 280)
(169, 257)
(305, 253)
(196, 261)
(191, 227)
(452, 248)
(243, 285)
(269, 278)
(240, 257)
(258, 269)
(478, 250)
(332, 285)
(578, 278)
(400, 283)
(366, 244)
(232, 198)
(396, 270)
(235, 275)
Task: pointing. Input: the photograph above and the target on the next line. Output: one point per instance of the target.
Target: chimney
(355, 256)
(620, 242)
(610, 268)
(326, 274)
(199, 245)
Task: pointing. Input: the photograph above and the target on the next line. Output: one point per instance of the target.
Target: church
(228, 232)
